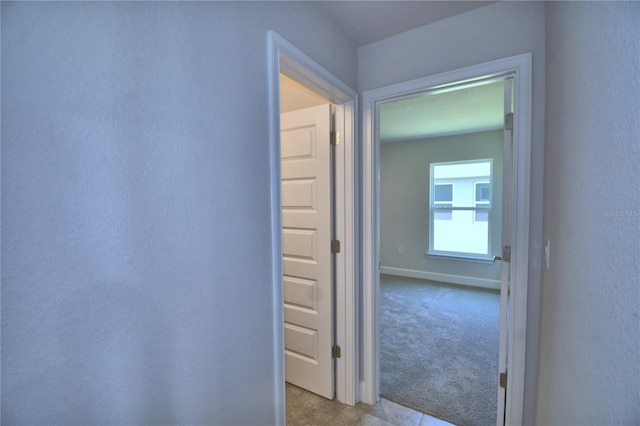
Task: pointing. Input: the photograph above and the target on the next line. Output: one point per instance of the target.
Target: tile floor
(306, 409)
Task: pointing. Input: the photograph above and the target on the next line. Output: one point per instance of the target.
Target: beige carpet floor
(439, 349)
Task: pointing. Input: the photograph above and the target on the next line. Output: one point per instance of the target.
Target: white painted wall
(136, 256)
(496, 31)
(404, 201)
(589, 371)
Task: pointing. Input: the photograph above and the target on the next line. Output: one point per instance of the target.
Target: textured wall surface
(404, 200)
(589, 370)
(492, 32)
(136, 256)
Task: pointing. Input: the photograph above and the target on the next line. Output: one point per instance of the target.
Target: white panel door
(306, 243)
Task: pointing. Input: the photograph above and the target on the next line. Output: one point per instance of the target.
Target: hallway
(306, 408)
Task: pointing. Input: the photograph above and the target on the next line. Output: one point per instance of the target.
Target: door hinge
(335, 246)
(335, 138)
(508, 121)
(506, 253)
(335, 351)
(503, 380)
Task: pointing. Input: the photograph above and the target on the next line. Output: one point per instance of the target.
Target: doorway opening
(288, 61)
(441, 192)
(512, 249)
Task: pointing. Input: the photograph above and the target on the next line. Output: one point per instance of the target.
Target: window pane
(442, 211)
(482, 216)
(443, 192)
(461, 234)
(443, 215)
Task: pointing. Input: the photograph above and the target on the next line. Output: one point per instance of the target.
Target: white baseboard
(445, 278)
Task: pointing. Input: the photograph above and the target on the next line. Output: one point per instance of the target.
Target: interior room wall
(136, 256)
(404, 205)
(492, 32)
(590, 332)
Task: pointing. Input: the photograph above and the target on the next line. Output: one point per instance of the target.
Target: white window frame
(456, 255)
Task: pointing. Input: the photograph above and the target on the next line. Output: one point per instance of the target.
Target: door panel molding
(519, 68)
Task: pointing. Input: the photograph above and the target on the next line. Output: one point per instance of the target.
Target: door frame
(285, 58)
(520, 68)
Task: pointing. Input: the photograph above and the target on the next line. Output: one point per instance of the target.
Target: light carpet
(439, 349)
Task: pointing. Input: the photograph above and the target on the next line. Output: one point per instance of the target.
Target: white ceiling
(369, 21)
(467, 110)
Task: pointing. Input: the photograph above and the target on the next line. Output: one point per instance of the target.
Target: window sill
(462, 258)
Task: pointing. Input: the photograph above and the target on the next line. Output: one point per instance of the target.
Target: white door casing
(306, 243)
(285, 58)
(505, 271)
(519, 69)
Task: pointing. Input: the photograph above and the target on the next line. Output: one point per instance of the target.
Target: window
(460, 207)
